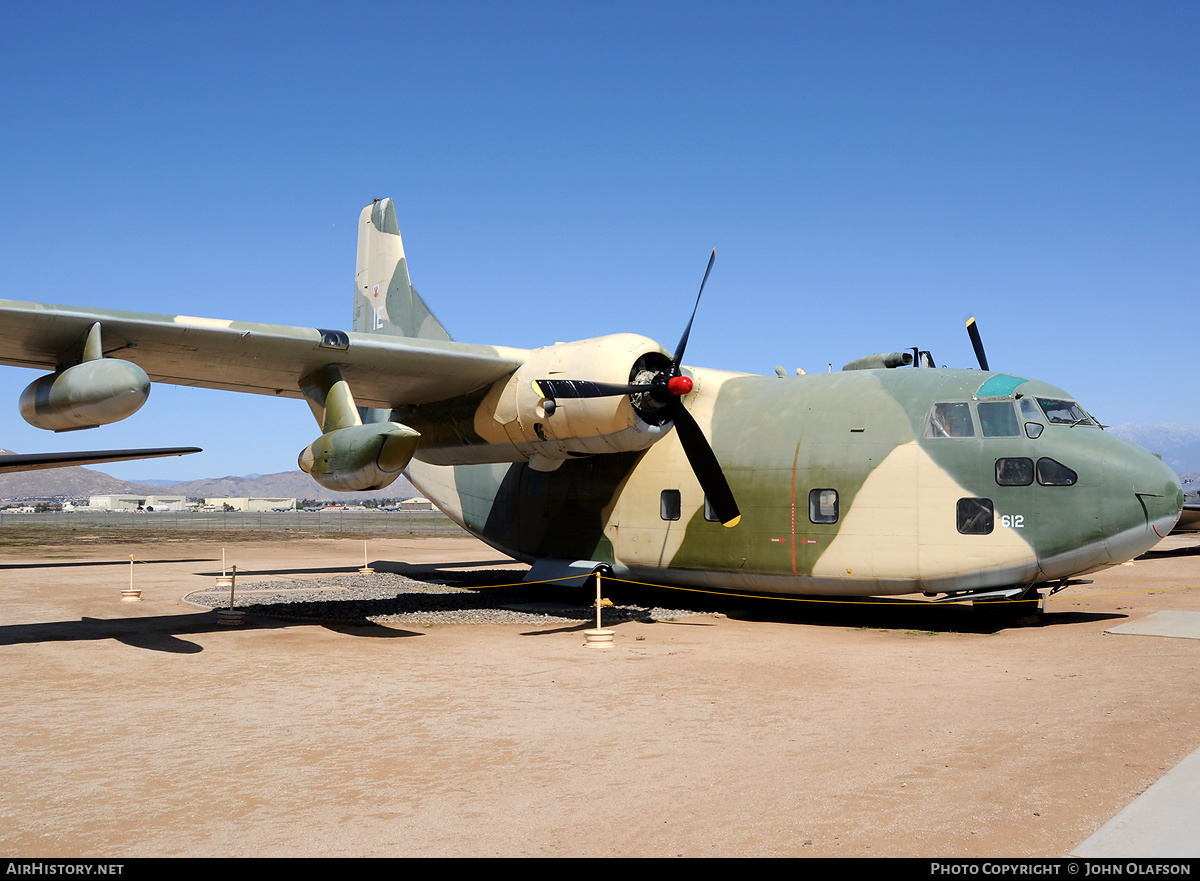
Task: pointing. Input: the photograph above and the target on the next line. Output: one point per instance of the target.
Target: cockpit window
(1065, 412)
(1014, 472)
(1052, 473)
(950, 420)
(998, 419)
(1029, 410)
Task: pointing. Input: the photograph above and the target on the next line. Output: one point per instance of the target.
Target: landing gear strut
(1024, 610)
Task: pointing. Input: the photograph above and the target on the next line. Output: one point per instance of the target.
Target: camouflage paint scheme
(858, 432)
(584, 482)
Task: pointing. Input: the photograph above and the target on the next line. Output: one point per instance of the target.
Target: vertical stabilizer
(384, 298)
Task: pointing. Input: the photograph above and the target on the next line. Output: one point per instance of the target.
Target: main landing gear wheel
(1024, 611)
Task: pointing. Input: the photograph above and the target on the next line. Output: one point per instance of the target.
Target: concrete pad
(1164, 623)
(1161, 822)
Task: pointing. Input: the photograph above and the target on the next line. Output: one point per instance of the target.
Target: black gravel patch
(390, 598)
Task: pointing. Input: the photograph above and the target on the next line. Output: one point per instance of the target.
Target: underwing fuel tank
(84, 396)
(360, 457)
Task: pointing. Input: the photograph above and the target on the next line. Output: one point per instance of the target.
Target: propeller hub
(679, 385)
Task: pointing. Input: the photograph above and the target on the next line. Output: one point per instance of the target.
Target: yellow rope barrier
(721, 593)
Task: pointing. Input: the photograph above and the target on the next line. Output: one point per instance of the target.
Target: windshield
(1065, 412)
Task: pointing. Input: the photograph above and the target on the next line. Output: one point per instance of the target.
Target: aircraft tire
(1025, 610)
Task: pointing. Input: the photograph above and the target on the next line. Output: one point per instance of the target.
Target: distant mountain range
(79, 483)
(1179, 445)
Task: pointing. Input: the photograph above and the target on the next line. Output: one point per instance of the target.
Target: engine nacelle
(516, 413)
(360, 457)
(87, 395)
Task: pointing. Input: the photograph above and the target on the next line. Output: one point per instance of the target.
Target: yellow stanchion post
(598, 638)
(131, 594)
(231, 617)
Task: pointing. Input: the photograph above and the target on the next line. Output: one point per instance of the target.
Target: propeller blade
(687, 331)
(705, 466)
(977, 342)
(668, 392)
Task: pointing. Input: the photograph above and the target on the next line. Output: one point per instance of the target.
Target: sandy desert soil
(760, 729)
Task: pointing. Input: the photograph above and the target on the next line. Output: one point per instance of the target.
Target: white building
(247, 504)
(138, 503)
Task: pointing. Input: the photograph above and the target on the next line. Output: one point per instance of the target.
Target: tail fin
(384, 298)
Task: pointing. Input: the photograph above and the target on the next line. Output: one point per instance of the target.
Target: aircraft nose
(1144, 499)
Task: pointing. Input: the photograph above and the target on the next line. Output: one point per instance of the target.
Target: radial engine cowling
(360, 457)
(515, 411)
(84, 396)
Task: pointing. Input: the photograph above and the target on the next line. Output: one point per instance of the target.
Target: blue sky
(871, 174)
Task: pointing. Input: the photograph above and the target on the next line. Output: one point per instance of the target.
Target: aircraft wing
(267, 359)
(10, 462)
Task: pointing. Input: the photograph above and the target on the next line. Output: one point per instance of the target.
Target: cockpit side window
(1065, 412)
(1029, 410)
(951, 419)
(1014, 472)
(1052, 473)
(998, 419)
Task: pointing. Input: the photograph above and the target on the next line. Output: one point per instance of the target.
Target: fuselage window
(950, 420)
(1065, 412)
(976, 516)
(998, 419)
(823, 506)
(1014, 472)
(709, 514)
(1051, 473)
(669, 505)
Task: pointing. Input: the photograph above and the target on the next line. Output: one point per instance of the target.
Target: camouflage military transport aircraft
(879, 479)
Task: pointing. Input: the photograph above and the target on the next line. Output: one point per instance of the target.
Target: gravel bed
(390, 598)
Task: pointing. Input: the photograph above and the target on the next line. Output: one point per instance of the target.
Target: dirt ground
(767, 729)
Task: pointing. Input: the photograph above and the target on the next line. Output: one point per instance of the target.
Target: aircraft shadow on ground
(167, 633)
(870, 612)
(1160, 553)
(409, 570)
(494, 589)
(78, 564)
(452, 572)
(635, 602)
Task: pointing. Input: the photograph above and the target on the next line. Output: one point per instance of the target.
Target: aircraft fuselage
(862, 482)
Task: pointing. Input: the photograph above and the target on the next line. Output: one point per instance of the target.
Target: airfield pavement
(759, 729)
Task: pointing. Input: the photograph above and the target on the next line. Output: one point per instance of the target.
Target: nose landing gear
(1025, 610)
